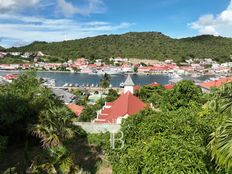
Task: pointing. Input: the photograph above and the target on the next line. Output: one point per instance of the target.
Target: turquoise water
(64, 77)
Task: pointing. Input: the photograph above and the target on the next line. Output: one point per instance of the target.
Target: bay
(83, 79)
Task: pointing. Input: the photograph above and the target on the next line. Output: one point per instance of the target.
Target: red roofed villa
(206, 86)
(127, 104)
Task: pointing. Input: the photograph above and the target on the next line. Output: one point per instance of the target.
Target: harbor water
(62, 78)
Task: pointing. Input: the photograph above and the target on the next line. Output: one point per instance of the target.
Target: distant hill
(144, 45)
(1, 48)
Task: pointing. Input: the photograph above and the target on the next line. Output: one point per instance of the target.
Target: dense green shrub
(166, 142)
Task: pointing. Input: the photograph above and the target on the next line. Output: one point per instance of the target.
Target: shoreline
(122, 74)
(142, 74)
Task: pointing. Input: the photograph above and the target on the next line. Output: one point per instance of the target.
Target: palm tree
(220, 144)
(105, 81)
(55, 126)
(60, 160)
(220, 99)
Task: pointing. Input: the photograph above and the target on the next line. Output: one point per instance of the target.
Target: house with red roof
(169, 86)
(76, 109)
(80, 61)
(145, 69)
(10, 77)
(136, 88)
(127, 104)
(206, 86)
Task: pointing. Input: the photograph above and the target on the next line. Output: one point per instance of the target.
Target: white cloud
(7, 6)
(220, 24)
(68, 9)
(29, 29)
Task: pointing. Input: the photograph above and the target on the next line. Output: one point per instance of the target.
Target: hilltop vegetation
(1, 48)
(144, 45)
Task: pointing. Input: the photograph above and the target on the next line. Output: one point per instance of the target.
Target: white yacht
(110, 71)
(175, 78)
(48, 82)
(66, 85)
(121, 85)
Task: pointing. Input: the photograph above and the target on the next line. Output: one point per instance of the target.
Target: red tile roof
(109, 103)
(215, 83)
(92, 65)
(162, 67)
(11, 76)
(126, 104)
(137, 87)
(168, 86)
(75, 108)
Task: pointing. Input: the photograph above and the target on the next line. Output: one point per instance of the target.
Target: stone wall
(98, 128)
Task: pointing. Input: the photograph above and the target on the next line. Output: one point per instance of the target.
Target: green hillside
(144, 45)
(1, 48)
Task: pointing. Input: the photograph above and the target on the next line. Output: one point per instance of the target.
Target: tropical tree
(28, 98)
(112, 95)
(221, 98)
(151, 94)
(29, 110)
(58, 160)
(183, 94)
(54, 127)
(135, 69)
(105, 81)
(220, 144)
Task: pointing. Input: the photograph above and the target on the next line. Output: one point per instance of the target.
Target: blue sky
(25, 21)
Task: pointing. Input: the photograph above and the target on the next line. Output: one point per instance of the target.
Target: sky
(25, 21)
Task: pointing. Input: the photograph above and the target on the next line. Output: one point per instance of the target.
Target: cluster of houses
(118, 65)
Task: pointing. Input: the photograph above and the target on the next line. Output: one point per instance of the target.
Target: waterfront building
(9, 67)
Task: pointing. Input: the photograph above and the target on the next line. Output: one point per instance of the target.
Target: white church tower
(129, 85)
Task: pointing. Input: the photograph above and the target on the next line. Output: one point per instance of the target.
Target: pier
(90, 89)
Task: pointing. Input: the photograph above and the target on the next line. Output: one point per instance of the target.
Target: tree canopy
(166, 142)
(183, 94)
(30, 113)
